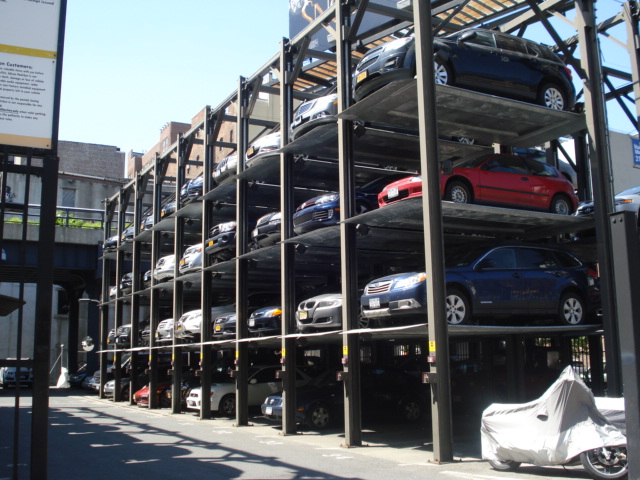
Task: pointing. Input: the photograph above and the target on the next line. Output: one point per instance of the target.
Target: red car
(497, 179)
(141, 397)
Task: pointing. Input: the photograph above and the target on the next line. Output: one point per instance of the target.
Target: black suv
(478, 59)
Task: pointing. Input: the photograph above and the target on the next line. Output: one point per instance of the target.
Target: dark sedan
(224, 326)
(191, 190)
(324, 210)
(478, 59)
(267, 231)
(385, 391)
(222, 241)
(265, 321)
(510, 280)
(225, 169)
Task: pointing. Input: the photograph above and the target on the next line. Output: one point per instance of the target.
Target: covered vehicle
(514, 280)
(564, 424)
(478, 59)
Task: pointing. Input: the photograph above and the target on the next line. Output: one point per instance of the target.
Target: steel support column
(205, 363)
(287, 252)
(242, 329)
(136, 263)
(433, 236)
(626, 258)
(42, 324)
(348, 260)
(601, 181)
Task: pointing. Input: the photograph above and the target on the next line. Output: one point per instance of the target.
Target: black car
(222, 241)
(478, 59)
(168, 209)
(267, 231)
(146, 279)
(224, 326)
(265, 321)
(386, 392)
(127, 234)
(191, 190)
(110, 244)
(324, 210)
(126, 283)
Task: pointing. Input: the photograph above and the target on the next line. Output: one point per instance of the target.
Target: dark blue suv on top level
(478, 59)
(508, 280)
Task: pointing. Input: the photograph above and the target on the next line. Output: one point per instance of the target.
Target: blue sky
(131, 66)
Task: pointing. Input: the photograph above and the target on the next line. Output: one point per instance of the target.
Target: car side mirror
(486, 263)
(466, 36)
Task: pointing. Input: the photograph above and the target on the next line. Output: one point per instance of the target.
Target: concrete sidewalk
(97, 439)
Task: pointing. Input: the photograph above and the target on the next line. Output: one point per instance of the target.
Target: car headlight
(623, 201)
(227, 227)
(410, 281)
(332, 197)
(397, 44)
(415, 179)
(275, 312)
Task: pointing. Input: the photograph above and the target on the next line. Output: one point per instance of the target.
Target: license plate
(268, 410)
(182, 262)
(361, 76)
(393, 192)
(218, 328)
(252, 323)
(302, 315)
(374, 303)
(254, 233)
(210, 244)
(250, 152)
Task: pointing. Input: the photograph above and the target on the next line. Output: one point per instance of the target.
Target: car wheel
(458, 192)
(561, 205)
(572, 311)
(228, 405)
(411, 410)
(442, 72)
(165, 402)
(458, 309)
(552, 96)
(364, 322)
(319, 416)
(507, 466)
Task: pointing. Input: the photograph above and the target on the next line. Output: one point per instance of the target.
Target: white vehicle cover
(551, 430)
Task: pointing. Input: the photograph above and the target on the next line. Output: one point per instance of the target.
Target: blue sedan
(509, 280)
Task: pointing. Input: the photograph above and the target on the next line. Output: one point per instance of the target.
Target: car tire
(443, 75)
(227, 405)
(458, 308)
(552, 96)
(411, 410)
(319, 416)
(364, 322)
(572, 309)
(561, 205)
(458, 192)
(506, 466)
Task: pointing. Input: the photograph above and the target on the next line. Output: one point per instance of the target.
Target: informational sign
(304, 12)
(28, 64)
(635, 144)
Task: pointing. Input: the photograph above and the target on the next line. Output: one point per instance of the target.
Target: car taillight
(592, 277)
(568, 70)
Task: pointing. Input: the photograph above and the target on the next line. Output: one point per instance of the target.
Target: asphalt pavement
(96, 439)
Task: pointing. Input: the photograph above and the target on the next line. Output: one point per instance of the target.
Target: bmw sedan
(510, 280)
(627, 200)
(322, 312)
(478, 59)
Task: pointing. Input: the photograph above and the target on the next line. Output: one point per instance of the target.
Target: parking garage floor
(98, 439)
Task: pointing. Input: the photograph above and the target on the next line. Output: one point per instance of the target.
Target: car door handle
(524, 179)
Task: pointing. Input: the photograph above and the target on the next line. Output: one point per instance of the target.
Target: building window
(68, 197)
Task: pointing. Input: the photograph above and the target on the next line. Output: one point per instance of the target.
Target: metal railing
(69, 217)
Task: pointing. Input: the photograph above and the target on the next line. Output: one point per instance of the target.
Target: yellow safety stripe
(30, 52)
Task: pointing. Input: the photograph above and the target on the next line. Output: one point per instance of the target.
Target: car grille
(378, 287)
(308, 305)
(305, 107)
(299, 220)
(369, 58)
(401, 194)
